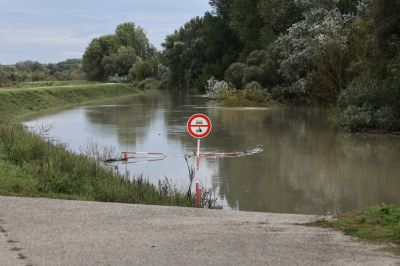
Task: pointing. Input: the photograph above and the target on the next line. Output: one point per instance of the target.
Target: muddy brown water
(307, 166)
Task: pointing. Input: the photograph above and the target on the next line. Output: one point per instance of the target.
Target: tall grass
(32, 166)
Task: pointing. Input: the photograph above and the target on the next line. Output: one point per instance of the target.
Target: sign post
(198, 126)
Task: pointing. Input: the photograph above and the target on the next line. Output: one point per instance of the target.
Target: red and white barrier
(127, 154)
(146, 157)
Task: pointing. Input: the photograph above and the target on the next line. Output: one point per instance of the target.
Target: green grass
(31, 166)
(54, 83)
(379, 224)
(18, 101)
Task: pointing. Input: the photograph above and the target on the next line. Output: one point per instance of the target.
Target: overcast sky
(54, 30)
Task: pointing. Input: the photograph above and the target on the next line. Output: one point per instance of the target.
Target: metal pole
(198, 147)
(198, 153)
(198, 188)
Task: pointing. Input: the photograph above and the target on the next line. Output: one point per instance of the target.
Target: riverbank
(379, 224)
(23, 101)
(36, 167)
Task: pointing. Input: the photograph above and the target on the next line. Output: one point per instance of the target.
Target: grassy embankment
(380, 224)
(32, 166)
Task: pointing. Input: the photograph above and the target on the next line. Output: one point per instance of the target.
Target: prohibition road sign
(199, 126)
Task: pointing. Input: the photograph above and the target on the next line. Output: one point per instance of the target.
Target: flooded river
(307, 165)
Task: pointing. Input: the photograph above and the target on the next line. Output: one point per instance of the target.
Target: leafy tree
(277, 16)
(184, 53)
(115, 54)
(348, 6)
(221, 8)
(386, 15)
(234, 74)
(93, 56)
(246, 21)
(143, 69)
(223, 46)
(120, 62)
(257, 57)
(129, 35)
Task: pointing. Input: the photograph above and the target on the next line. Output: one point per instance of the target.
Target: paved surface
(57, 232)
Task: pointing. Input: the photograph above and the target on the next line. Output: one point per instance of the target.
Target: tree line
(31, 71)
(343, 53)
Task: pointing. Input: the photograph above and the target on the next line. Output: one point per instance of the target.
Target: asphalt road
(57, 232)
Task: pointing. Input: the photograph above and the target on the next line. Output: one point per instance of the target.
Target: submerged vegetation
(252, 94)
(34, 165)
(380, 224)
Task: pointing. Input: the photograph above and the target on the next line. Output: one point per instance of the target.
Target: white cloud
(44, 37)
(73, 54)
(49, 30)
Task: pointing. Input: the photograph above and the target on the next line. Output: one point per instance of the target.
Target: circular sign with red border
(199, 126)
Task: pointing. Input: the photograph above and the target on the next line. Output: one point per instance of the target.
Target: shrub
(295, 93)
(257, 58)
(142, 70)
(362, 90)
(354, 118)
(251, 74)
(269, 74)
(234, 74)
(254, 92)
(385, 118)
(369, 104)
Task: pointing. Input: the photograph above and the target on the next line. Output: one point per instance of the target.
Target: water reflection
(308, 166)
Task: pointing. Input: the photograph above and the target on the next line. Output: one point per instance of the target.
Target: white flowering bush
(117, 79)
(317, 45)
(163, 72)
(319, 28)
(219, 88)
